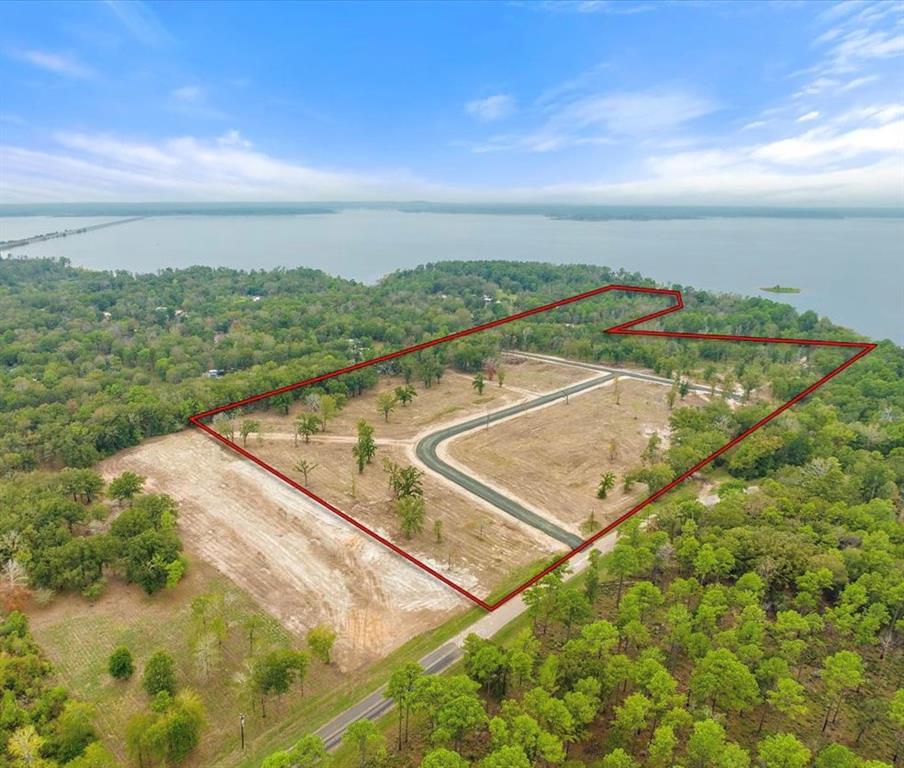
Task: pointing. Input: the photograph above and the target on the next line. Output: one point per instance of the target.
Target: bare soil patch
(552, 458)
(300, 562)
(539, 377)
(479, 545)
(452, 398)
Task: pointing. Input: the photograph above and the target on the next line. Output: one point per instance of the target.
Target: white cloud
(877, 113)
(106, 167)
(828, 36)
(818, 85)
(859, 82)
(188, 93)
(491, 108)
(714, 179)
(192, 100)
(842, 9)
(861, 45)
(808, 117)
(140, 21)
(846, 147)
(861, 33)
(631, 114)
(233, 139)
(598, 119)
(609, 7)
(58, 63)
(828, 146)
(861, 37)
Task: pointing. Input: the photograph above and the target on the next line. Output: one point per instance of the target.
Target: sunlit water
(851, 269)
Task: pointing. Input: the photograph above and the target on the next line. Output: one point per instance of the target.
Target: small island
(781, 289)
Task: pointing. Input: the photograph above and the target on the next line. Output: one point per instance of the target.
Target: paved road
(376, 704)
(426, 452)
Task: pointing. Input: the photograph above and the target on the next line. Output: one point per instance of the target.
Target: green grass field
(78, 638)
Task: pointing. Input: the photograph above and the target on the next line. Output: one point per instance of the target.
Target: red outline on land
(623, 329)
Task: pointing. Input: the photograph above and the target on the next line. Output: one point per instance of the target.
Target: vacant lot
(297, 560)
(450, 399)
(539, 377)
(551, 459)
(478, 545)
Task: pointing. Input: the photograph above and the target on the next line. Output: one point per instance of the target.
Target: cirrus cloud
(492, 108)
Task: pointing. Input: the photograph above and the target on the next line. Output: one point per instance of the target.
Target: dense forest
(93, 362)
(763, 629)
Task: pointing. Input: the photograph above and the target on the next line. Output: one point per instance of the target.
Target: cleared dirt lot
(300, 562)
(479, 545)
(450, 399)
(551, 459)
(539, 377)
(306, 566)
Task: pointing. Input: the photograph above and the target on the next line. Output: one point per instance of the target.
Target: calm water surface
(851, 270)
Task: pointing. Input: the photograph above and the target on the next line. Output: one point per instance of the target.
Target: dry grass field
(538, 377)
(451, 399)
(479, 546)
(551, 458)
(79, 637)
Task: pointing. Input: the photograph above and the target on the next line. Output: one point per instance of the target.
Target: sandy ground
(297, 560)
(451, 399)
(538, 377)
(551, 459)
(306, 566)
(480, 545)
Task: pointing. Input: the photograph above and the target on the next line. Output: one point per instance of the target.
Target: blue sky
(615, 102)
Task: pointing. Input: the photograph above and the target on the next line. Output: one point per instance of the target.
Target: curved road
(376, 704)
(426, 449)
(426, 452)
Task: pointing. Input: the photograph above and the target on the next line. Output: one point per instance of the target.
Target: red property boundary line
(626, 329)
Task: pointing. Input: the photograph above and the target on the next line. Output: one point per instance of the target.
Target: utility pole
(242, 729)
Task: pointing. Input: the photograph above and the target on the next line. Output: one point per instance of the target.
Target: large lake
(849, 269)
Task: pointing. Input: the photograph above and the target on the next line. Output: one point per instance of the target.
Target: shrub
(159, 674)
(121, 665)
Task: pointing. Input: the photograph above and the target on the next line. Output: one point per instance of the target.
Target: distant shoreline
(780, 289)
(555, 211)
